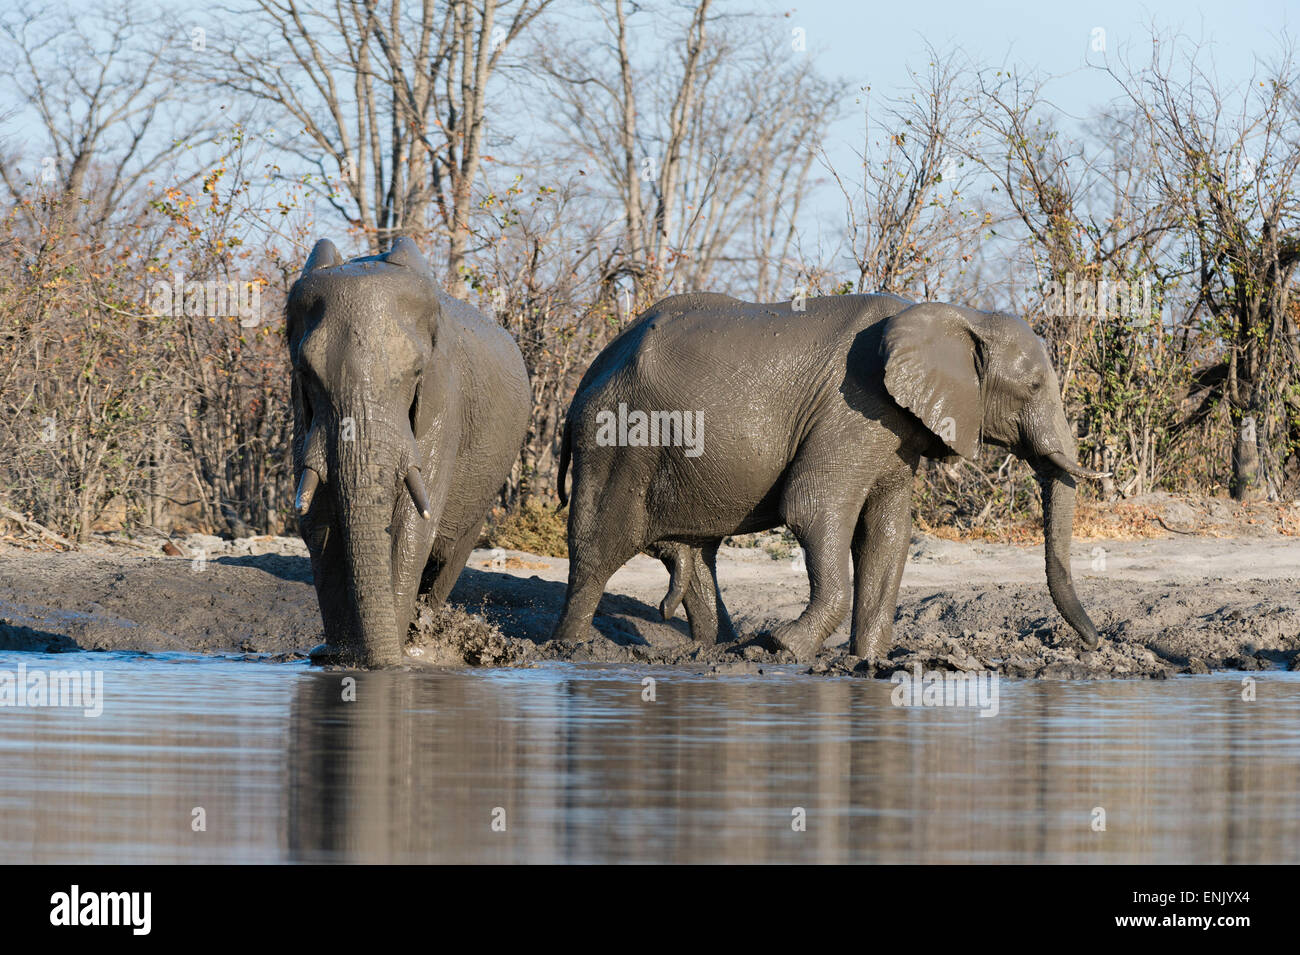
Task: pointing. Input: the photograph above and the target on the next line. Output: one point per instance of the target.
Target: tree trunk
(1246, 483)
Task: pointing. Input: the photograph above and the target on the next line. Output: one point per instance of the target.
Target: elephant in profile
(409, 409)
(815, 418)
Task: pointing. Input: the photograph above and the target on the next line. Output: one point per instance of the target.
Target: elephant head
(361, 338)
(973, 376)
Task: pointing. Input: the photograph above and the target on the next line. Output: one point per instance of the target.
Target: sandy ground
(1179, 604)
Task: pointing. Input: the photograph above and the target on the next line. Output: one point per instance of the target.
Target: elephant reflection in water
(387, 766)
(420, 768)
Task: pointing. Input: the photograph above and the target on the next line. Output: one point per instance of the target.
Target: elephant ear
(323, 255)
(405, 252)
(933, 365)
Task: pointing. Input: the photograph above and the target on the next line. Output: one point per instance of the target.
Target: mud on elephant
(816, 419)
(409, 410)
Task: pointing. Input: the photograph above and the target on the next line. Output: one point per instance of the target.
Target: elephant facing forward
(816, 419)
(409, 410)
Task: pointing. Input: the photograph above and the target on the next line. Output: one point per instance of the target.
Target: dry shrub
(535, 527)
(779, 543)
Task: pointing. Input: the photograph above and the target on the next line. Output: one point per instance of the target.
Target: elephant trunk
(1058, 527)
(1051, 451)
(365, 487)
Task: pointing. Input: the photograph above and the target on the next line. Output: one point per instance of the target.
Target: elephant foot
(797, 640)
(325, 655)
(569, 633)
(727, 631)
(873, 651)
(705, 640)
(714, 632)
(333, 655)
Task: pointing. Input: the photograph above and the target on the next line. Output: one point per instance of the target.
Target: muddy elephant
(409, 410)
(815, 418)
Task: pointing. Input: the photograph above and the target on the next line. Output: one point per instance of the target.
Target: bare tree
(707, 162)
(1228, 165)
(76, 347)
(541, 275)
(391, 100)
(1092, 221)
(911, 224)
(107, 102)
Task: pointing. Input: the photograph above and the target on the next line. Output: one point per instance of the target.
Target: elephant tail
(564, 466)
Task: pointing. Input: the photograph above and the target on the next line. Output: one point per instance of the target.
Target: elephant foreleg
(441, 575)
(879, 553)
(825, 541)
(329, 574)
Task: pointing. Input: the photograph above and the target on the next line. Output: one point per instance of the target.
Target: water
(579, 768)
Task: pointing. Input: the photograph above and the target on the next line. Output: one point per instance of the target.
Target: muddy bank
(1149, 630)
(1165, 606)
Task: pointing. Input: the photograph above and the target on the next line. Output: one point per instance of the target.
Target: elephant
(818, 413)
(692, 573)
(409, 410)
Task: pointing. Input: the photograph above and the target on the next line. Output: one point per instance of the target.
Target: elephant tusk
(306, 490)
(419, 495)
(1069, 467)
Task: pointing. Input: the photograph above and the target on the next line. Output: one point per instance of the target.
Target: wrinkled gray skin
(409, 410)
(817, 420)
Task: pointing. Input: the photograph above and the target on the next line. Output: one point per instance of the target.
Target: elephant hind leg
(710, 622)
(592, 561)
(693, 580)
(678, 559)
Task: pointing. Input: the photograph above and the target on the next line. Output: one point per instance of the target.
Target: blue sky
(874, 43)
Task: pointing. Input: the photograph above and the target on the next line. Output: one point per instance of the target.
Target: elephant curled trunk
(1058, 527)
